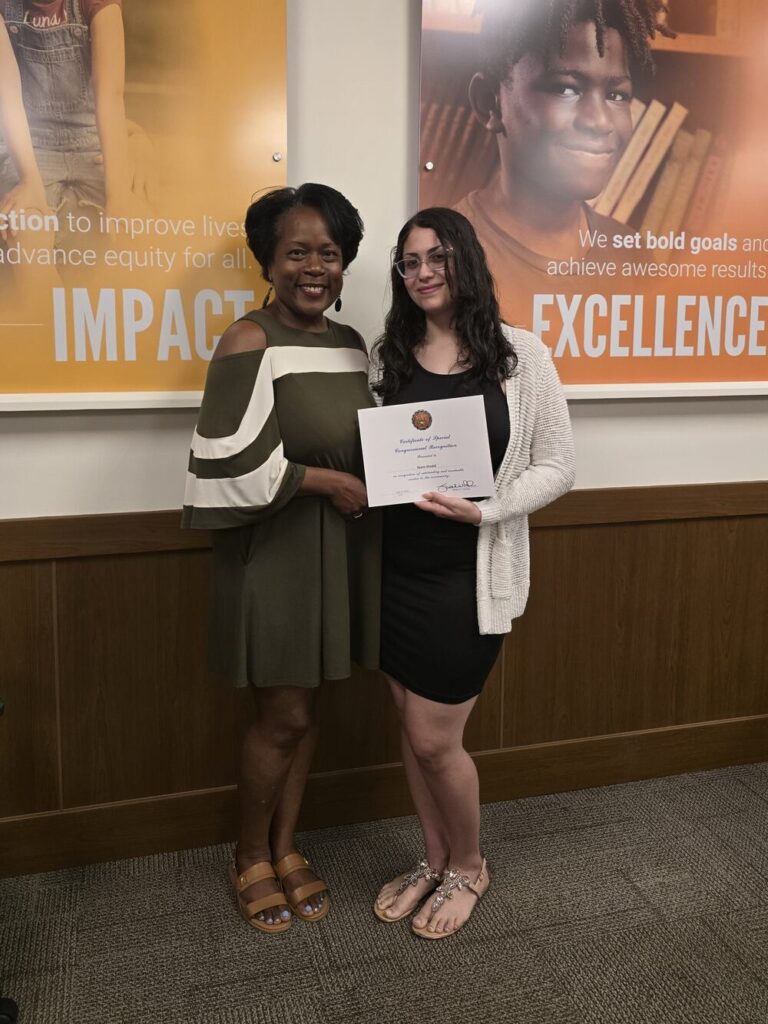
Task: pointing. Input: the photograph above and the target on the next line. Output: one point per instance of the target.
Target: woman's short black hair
(512, 29)
(262, 220)
(484, 348)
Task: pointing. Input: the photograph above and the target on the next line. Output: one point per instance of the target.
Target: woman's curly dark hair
(512, 29)
(262, 220)
(484, 348)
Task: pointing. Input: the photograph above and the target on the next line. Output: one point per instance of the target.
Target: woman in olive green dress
(276, 472)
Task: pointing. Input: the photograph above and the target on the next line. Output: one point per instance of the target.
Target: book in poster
(133, 135)
(615, 175)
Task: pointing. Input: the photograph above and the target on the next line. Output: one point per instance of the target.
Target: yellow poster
(133, 135)
(611, 156)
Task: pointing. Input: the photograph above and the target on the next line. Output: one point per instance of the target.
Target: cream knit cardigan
(538, 466)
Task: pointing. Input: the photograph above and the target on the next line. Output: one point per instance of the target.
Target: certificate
(426, 446)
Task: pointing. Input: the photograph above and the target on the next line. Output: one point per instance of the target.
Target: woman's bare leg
(284, 717)
(432, 825)
(283, 828)
(435, 732)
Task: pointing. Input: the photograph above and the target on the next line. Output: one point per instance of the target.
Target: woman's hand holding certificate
(412, 450)
(448, 506)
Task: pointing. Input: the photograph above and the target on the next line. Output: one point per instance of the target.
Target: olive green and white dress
(295, 585)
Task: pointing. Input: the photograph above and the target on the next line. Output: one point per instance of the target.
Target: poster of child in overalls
(131, 141)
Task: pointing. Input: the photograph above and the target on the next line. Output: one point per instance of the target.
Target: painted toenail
(307, 908)
(285, 914)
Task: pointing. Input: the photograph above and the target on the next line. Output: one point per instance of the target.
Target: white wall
(353, 123)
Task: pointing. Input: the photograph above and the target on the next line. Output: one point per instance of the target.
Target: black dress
(430, 640)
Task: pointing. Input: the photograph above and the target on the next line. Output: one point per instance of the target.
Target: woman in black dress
(455, 571)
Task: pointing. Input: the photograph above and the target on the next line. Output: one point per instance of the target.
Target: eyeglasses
(409, 266)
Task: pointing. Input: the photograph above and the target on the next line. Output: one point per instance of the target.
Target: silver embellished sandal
(422, 870)
(453, 881)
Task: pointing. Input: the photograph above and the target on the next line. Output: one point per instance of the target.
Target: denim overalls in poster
(55, 68)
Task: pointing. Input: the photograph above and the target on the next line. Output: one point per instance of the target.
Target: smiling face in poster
(596, 147)
(562, 120)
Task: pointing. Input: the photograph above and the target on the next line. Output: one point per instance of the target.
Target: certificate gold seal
(422, 419)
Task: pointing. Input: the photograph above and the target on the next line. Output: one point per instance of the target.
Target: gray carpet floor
(644, 903)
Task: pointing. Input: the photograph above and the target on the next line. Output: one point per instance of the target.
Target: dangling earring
(337, 305)
(267, 297)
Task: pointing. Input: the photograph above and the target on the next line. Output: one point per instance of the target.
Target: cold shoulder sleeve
(237, 471)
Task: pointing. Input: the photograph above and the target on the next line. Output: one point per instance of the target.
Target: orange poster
(611, 156)
(133, 135)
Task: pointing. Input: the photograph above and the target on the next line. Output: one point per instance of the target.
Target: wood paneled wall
(642, 653)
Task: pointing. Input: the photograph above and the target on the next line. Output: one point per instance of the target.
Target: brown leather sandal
(295, 897)
(256, 873)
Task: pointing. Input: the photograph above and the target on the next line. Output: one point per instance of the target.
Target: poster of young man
(597, 149)
(133, 135)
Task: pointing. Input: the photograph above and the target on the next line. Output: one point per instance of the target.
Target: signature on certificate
(459, 485)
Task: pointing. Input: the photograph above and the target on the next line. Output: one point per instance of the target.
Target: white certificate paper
(426, 446)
